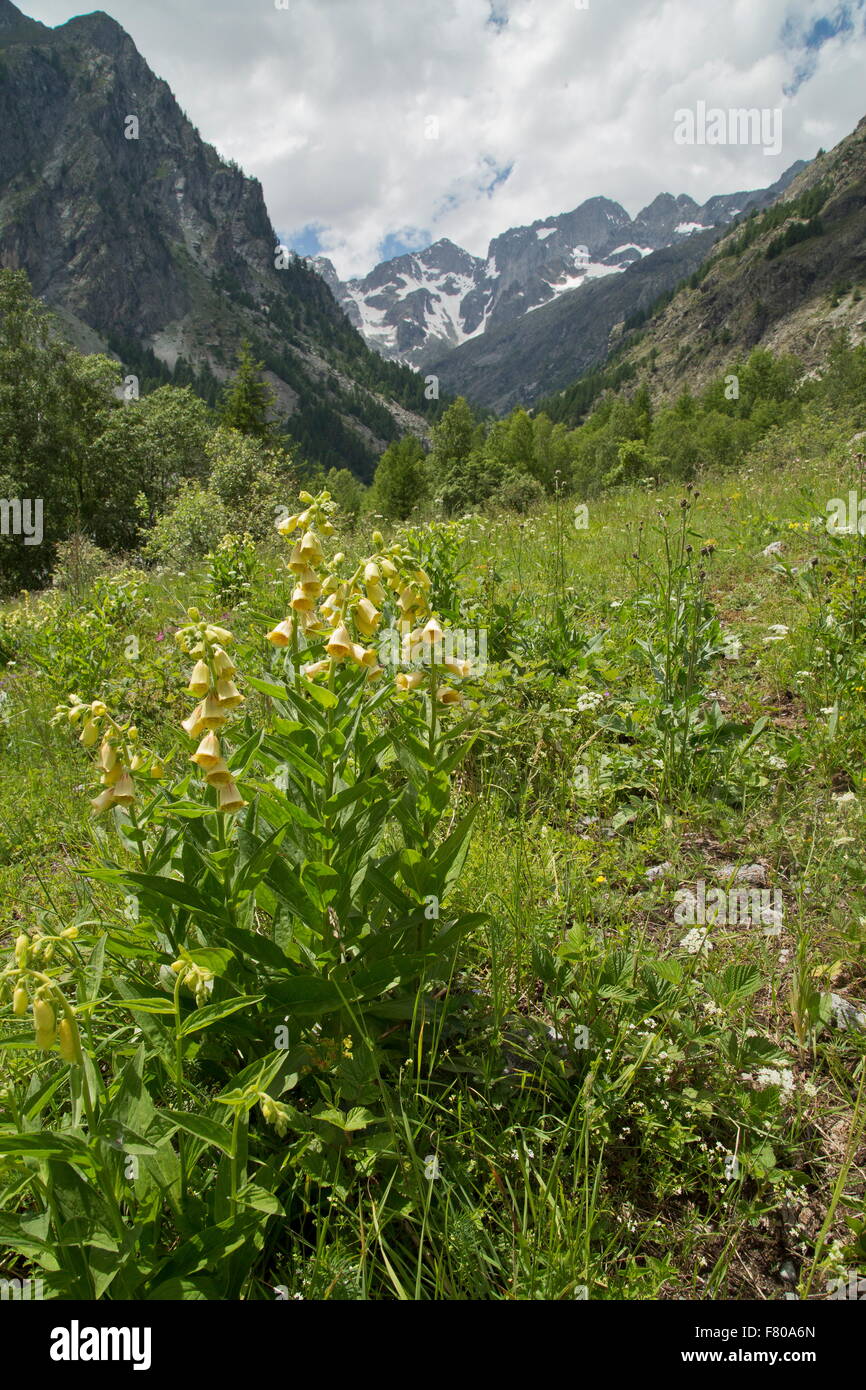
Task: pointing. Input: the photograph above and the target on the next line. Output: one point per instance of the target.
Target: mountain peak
(98, 29)
(15, 25)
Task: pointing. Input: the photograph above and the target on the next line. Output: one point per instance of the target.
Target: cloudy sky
(381, 125)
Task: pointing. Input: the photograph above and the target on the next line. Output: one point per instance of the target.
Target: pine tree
(247, 399)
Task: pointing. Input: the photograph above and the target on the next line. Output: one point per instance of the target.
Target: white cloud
(326, 102)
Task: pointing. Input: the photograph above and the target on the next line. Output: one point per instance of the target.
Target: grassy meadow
(444, 1010)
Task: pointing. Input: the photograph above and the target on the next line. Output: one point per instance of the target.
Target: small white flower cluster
(697, 941)
(590, 700)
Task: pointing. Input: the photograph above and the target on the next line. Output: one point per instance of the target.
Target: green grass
(565, 1170)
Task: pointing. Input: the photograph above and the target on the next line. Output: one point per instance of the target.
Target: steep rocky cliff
(144, 240)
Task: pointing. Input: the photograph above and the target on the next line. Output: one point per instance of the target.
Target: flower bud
(22, 945)
(194, 615)
(89, 734)
(20, 1002)
(67, 1036)
(43, 1016)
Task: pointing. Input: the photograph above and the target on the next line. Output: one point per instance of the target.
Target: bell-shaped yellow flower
(213, 714)
(103, 802)
(339, 644)
(297, 562)
(301, 601)
(200, 679)
(219, 775)
(230, 798)
(446, 696)
(409, 680)
(367, 618)
(281, 635)
(309, 581)
(316, 668)
(108, 756)
(288, 525)
(228, 694)
(192, 725)
(432, 633)
(364, 656)
(223, 664)
(310, 551)
(124, 790)
(208, 753)
(458, 668)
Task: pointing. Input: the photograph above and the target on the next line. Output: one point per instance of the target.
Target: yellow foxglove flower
(108, 756)
(111, 779)
(297, 562)
(124, 790)
(446, 696)
(223, 664)
(367, 617)
(316, 668)
(103, 802)
(98, 709)
(372, 573)
(281, 635)
(200, 679)
(388, 568)
(228, 694)
(219, 775)
(191, 724)
(339, 644)
(218, 634)
(409, 680)
(301, 602)
(364, 656)
(375, 593)
(213, 715)
(289, 525)
(230, 798)
(424, 579)
(208, 753)
(410, 600)
(20, 1002)
(310, 551)
(432, 633)
(157, 771)
(89, 734)
(310, 582)
(458, 668)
